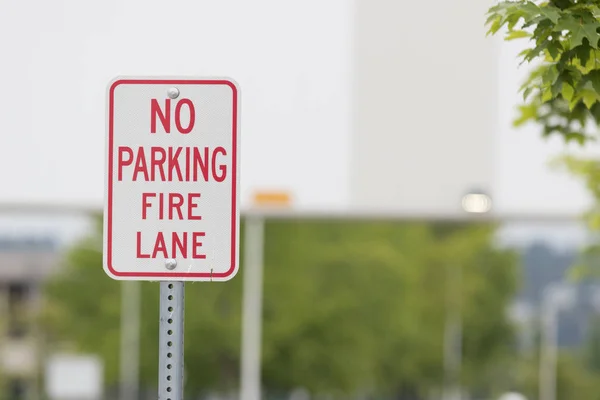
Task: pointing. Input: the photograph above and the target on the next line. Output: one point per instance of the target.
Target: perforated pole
(170, 362)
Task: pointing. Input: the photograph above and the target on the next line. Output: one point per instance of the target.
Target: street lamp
(512, 396)
(521, 314)
(476, 202)
(252, 301)
(557, 297)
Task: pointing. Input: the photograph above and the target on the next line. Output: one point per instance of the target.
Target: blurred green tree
(573, 379)
(347, 306)
(83, 306)
(490, 279)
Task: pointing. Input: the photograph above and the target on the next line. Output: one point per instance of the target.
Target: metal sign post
(171, 211)
(170, 347)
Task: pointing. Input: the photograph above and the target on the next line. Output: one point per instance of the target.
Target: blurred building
(425, 105)
(25, 262)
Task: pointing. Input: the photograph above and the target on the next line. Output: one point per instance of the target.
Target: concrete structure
(424, 109)
(25, 262)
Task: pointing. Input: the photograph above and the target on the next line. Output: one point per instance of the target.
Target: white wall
(425, 104)
(434, 101)
(376, 103)
(291, 59)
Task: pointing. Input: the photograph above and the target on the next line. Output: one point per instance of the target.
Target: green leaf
(583, 53)
(534, 21)
(550, 75)
(579, 31)
(527, 112)
(550, 129)
(561, 4)
(567, 91)
(535, 52)
(589, 97)
(547, 94)
(570, 75)
(496, 25)
(594, 78)
(502, 7)
(512, 20)
(552, 13)
(554, 49)
(575, 137)
(595, 111)
(551, 82)
(556, 87)
(579, 114)
(582, 12)
(512, 35)
(524, 52)
(530, 9)
(527, 92)
(491, 18)
(543, 31)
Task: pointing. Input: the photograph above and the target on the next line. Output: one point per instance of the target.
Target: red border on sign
(234, 132)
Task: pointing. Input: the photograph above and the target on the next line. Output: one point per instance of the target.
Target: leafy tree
(347, 306)
(562, 91)
(489, 281)
(562, 95)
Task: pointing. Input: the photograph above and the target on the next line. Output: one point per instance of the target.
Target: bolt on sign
(172, 179)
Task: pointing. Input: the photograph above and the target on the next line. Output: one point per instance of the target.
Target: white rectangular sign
(172, 185)
(74, 377)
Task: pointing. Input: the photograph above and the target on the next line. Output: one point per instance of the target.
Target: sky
(292, 61)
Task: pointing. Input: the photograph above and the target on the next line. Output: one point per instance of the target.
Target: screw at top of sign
(171, 264)
(173, 93)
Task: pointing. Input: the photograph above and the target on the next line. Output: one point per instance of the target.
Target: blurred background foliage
(348, 307)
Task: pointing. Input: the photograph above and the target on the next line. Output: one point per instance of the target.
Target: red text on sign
(171, 246)
(165, 116)
(172, 164)
(171, 206)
